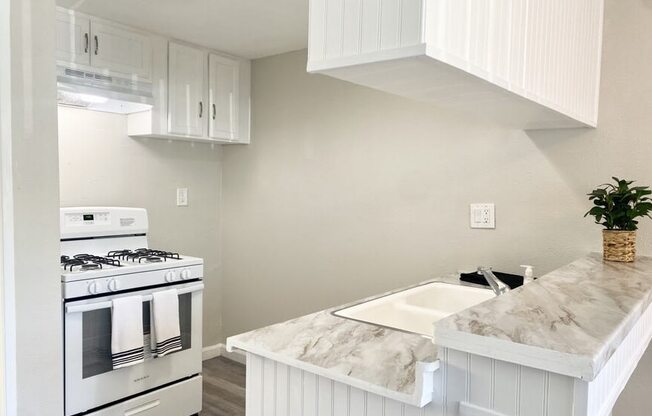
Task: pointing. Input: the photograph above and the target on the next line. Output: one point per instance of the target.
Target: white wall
(101, 165)
(30, 203)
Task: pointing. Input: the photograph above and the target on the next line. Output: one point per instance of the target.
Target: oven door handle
(107, 304)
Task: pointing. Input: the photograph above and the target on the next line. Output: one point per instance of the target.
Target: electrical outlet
(483, 216)
(182, 197)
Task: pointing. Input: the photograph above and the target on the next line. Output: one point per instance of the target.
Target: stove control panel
(120, 283)
(86, 219)
(89, 222)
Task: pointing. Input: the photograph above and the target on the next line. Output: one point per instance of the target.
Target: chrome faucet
(498, 286)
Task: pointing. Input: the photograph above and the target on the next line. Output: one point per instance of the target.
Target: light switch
(182, 197)
(483, 216)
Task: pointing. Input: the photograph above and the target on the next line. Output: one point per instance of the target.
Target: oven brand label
(126, 222)
(141, 378)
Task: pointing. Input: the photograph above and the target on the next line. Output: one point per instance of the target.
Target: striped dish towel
(127, 343)
(165, 311)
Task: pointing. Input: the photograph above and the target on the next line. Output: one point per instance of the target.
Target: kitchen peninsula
(536, 350)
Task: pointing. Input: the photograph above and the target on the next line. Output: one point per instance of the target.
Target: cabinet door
(187, 109)
(121, 50)
(72, 38)
(223, 91)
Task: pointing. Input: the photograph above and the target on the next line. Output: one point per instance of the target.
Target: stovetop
(119, 262)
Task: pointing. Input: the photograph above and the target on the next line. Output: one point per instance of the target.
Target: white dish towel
(165, 310)
(127, 342)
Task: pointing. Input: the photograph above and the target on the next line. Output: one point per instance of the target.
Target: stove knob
(114, 285)
(93, 288)
(185, 274)
(169, 277)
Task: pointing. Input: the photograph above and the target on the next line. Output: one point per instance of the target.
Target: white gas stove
(104, 250)
(105, 256)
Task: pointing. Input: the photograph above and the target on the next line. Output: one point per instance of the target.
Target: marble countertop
(569, 321)
(375, 359)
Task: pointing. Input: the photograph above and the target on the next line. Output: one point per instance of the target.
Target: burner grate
(87, 262)
(144, 255)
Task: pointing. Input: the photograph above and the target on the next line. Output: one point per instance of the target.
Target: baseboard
(219, 350)
(212, 351)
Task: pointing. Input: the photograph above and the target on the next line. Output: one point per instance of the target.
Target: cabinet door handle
(214, 111)
(201, 109)
(97, 44)
(85, 42)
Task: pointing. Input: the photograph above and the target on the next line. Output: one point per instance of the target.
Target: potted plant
(616, 207)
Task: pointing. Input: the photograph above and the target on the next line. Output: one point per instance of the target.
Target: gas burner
(87, 262)
(145, 255)
(150, 259)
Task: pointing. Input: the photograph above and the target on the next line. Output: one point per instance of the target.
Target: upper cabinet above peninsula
(528, 64)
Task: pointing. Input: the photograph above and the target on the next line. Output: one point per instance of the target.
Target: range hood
(526, 64)
(99, 92)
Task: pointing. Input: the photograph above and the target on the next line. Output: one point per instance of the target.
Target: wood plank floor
(224, 388)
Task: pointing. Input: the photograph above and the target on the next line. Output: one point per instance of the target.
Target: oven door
(91, 381)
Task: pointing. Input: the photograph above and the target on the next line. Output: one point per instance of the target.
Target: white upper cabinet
(187, 108)
(223, 97)
(97, 45)
(199, 95)
(530, 64)
(73, 36)
(121, 50)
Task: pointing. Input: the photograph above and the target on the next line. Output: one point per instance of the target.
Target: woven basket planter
(619, 245)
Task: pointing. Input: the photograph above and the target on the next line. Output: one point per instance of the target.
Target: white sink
(416, 309)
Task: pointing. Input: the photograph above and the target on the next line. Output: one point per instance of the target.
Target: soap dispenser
(528, 275)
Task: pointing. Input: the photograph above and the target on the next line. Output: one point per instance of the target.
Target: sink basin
(415, 310)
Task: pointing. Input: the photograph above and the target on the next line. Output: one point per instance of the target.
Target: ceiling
(247, 28)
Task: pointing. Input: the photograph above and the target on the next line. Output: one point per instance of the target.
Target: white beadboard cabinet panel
(295, 396)
(560, 393)
(310, 394)
(351, 35)
(325, 394)
(255, 383)
(269, 387)
(601, 393)
(369, 26)
(393, 408)
(481, 381)
(282, 389)
(375, 404)
(411, 22)
(529, 64)
(390, 24)
(506, 381)
(333, 39)
(357, 402)
(533, 385)
(457, 379)
(465, 385)
(341, 399)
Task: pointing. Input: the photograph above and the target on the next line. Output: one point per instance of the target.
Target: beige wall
(346, 192)
(101, 165)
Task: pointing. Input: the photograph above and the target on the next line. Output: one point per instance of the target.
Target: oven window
(96, 335)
